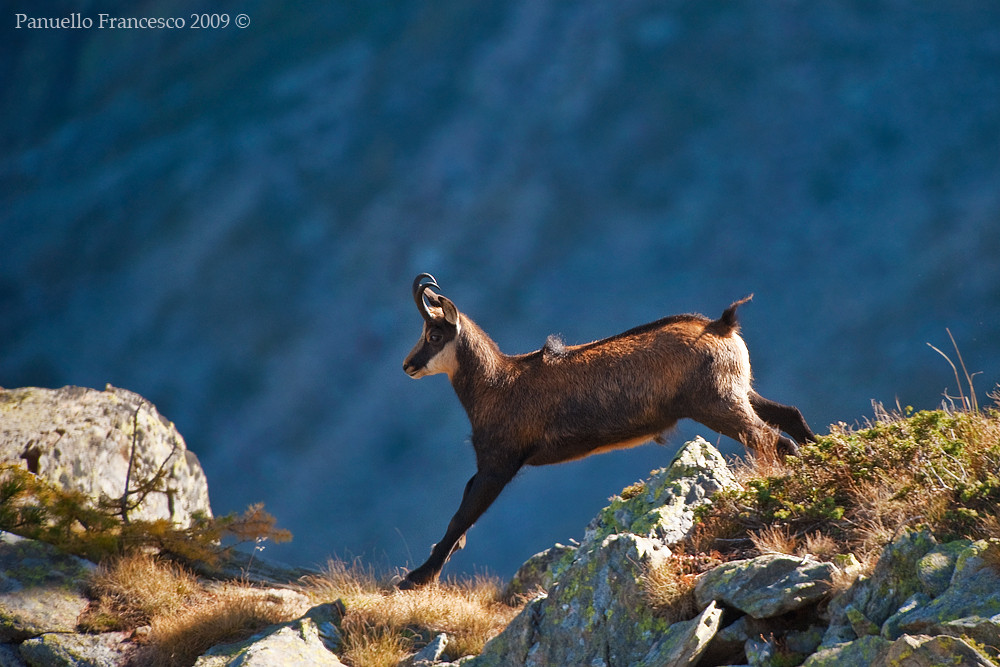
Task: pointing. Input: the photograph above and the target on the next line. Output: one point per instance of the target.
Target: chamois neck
(479, 358)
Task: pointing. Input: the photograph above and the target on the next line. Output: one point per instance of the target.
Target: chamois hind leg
(740, 422)
(480, 492)
(785, 417)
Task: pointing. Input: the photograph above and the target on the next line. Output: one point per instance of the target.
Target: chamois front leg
(785, 417)
(480, 492)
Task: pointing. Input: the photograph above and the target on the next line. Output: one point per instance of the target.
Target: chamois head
(435, 350)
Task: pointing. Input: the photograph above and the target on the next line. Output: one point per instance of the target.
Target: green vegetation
(854, 488)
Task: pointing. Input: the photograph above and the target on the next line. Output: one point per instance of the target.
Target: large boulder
(82, 439)
(659, 508)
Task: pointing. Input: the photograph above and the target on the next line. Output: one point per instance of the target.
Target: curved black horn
(419, 286)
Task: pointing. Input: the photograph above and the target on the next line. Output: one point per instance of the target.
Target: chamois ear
(432, 298)
(450, 311)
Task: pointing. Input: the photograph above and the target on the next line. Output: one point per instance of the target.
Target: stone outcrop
(594, 611)
(81, 439)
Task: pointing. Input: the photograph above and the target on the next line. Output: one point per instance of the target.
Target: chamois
(565, 402)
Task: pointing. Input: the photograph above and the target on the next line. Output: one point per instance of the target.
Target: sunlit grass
(383, 625)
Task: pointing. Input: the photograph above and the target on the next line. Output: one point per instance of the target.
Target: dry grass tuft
(819, 545)
(669, 588)
(133, 590)
(230, 614)
(183, 617)
(775, 540)
(384, 625)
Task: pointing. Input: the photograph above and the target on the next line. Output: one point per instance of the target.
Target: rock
(906, 651)
(77, 650)
(971, 598)
(766, 586)
(81, 439)
(540, 571)
(430, 654)
(861, 624)
(868, 651)
(664, 507)
(253, 569)
(593, 613)
(986, 631)
(309, 640)
(10, 657)
(804, 641)
(685, 642)
(934, 570)
(874, 599)
(727, 646)
(41, 588)
(924, 651)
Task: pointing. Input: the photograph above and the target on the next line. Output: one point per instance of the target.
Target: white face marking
(444, 361)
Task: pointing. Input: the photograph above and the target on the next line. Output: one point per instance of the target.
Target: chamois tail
(728, 322)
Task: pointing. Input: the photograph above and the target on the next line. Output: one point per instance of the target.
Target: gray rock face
(685, 642)
(594, 612)
(41, 589)
(894, 581)
(430, 654)
(664, 508)
(81, 439)
(766, 586)
(592, 615)
(540, 571)
(972, 598)
(919, 588)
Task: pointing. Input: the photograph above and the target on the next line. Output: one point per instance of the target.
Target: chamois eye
(435, 337)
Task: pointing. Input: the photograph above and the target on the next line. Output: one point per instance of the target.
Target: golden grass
(383, 625)
(183, 617)
(133, 590)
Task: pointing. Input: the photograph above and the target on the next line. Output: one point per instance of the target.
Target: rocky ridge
(925, 604)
